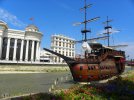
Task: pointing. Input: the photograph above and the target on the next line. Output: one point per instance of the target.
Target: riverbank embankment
(32, 68)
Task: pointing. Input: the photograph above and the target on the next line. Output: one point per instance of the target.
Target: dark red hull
(94, 72)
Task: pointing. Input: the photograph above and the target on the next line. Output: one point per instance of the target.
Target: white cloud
(10, 18)
(65, 6)
(130, 50)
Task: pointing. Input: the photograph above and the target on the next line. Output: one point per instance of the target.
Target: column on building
(37, 51)
(8, 49)
(32, 53)
(21, 50)
(15, 48)
(27, 47)
(53, 55)
(1, 42)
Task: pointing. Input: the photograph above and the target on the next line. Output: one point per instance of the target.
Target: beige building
(63, 45)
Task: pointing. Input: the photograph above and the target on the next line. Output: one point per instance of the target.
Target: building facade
(45, 56)
(63, 45)
(18, 45)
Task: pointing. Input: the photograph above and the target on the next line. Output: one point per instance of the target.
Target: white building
(18, 45)
(63, 45)
(45, 56)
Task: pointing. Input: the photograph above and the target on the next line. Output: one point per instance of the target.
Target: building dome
(32, 28)
(2, 23)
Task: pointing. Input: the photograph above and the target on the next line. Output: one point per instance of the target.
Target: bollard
(52, 87)
(57, 79)
(55, 82)
(50, 90)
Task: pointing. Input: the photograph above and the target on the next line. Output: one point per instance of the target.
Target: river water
(18, 84)
(128, 68)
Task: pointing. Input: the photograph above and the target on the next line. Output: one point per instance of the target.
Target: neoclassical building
(18, 45)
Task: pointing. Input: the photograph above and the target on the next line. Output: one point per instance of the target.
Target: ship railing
(114, 53)
(84, 60)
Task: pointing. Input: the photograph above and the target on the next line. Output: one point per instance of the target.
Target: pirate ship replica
(99, 62)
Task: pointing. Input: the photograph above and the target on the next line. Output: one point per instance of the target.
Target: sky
(58, 16)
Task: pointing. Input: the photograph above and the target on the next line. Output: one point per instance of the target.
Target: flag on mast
(32, 20)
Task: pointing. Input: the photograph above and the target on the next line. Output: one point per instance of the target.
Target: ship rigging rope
(113, 39)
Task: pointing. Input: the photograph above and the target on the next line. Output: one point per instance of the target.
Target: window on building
(72, 45)
(67, 45)
(60, 52)
(72, 54)
(81, 67)
(69, 53)
(89, 68)
(56, 43)
(66, 53)
(59, 43)
(63, 44)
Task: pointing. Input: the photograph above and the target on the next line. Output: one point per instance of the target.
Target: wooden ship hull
(112, 63)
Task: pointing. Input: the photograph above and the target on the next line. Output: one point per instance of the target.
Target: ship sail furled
(86, 47)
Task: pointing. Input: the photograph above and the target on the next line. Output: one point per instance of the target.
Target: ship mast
(108, 28)
(85, 31)
(85, 23)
